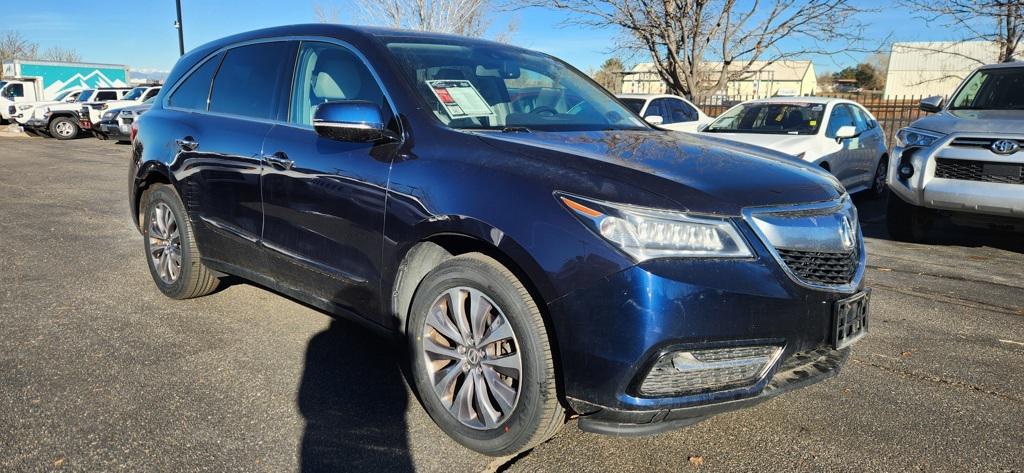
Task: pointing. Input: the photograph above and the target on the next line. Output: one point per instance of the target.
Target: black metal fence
(892, 113)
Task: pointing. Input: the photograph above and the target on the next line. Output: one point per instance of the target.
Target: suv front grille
(821, 267)
(981, 171)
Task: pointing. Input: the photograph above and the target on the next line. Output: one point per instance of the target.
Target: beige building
(790, 78)
(934, 68)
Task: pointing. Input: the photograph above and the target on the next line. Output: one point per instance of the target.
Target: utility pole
(181, 30)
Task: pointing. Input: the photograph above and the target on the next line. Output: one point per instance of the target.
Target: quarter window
(194, 91)
(254, 81)
(329, 73)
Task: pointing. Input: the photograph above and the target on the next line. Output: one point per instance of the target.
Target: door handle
(187, 143)
(279, 160)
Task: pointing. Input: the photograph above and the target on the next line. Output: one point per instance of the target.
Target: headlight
(914, 137)
(24, 107)
(646, 234)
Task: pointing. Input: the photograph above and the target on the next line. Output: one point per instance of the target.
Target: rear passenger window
(105, 95)
(255, 81)
(193, 93)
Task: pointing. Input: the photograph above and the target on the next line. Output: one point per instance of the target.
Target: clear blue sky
(140, 34)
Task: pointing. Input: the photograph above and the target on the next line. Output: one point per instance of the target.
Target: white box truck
(26, 81)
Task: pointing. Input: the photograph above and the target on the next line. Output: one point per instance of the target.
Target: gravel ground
(100, 372)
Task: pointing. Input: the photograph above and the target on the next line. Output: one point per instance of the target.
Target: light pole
(181, 29)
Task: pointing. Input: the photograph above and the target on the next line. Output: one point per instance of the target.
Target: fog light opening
(693, 371)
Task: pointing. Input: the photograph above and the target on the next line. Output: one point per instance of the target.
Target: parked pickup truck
(94, 111)
(965, 161)
(27, 81)
(23, 112)
(61, 120)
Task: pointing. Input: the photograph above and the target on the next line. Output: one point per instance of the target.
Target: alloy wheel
(880, 175)
(64, 129)
(472, 357)
(164, 243)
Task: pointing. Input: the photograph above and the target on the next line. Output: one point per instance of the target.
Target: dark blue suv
(541, 249)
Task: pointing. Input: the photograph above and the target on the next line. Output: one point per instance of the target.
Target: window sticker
(460, 98)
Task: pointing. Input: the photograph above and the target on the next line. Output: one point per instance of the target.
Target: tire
(535, 414)
(192, 278)
(879, 188)
(64, 128)
(906, 222)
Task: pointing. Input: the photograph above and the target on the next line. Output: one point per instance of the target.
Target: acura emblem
(1005, 147)
(846, 232)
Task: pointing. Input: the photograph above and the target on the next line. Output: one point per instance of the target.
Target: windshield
(770, 118)
(636, 105)
(484, 86)
(86, 95)
(995, 89)
(134, 94)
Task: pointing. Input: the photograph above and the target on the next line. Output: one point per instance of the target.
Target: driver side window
(329, 73)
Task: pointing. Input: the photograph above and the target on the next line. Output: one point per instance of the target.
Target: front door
(323, 200)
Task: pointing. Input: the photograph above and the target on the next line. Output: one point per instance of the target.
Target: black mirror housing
(931, 104)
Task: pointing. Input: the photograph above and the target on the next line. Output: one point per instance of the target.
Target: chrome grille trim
(811, 230)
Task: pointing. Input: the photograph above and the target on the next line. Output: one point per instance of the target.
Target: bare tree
(682, 36)
(610, 75)
(460, 17)
(15, 46)
(998, 21)
(58, 53)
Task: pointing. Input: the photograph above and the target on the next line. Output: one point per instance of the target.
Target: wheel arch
(149, 174)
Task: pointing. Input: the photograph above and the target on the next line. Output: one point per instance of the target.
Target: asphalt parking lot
(100, 372)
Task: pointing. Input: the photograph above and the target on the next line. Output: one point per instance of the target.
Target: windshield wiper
(515, 129)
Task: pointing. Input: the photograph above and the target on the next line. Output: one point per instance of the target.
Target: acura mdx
(542, 251)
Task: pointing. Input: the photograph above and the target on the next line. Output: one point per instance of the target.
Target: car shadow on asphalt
(943, 233)
(353, 398)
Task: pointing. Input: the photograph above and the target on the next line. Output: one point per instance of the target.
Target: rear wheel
(878, 185)
(907, 222)
(64, 128)
(481, 359)
(171, 251)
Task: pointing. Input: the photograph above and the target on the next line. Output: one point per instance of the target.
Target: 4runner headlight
(24, 107)
(914, 137)
(646, 234)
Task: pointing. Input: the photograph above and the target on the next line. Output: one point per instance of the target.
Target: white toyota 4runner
(966, 161)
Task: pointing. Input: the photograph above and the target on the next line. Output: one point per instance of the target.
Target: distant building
(789, 78)
(934, 68)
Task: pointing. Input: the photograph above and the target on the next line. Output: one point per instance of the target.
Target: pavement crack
(939, 380)
(932, 296)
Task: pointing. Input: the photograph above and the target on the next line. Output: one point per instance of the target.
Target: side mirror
(654, 119)
(931, 104)
(846, 132)
(356, 121)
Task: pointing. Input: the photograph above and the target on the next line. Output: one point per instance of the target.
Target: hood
(789, 144)
(701, 174)
(973, 121)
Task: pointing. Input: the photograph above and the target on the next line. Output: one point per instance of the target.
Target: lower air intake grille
(821, 267)
(981, 171)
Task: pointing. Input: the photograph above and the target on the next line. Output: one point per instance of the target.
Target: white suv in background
(965, 162)
(667, 111)
(61, 120)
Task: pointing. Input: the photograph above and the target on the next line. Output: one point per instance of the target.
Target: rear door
(871, 143)
(324, 200)
(681, 116)
(228, 106)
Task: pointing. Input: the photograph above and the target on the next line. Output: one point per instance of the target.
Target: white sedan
(838, 135)
(667, 111)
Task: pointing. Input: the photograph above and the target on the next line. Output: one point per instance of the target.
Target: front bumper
(112, 130)
(925, 189)
(610, 335)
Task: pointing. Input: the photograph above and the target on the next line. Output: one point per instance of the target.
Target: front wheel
(64, 128)
(171, 251)
(481, 358)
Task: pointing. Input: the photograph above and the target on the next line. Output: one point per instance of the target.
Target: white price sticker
(460, 98)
